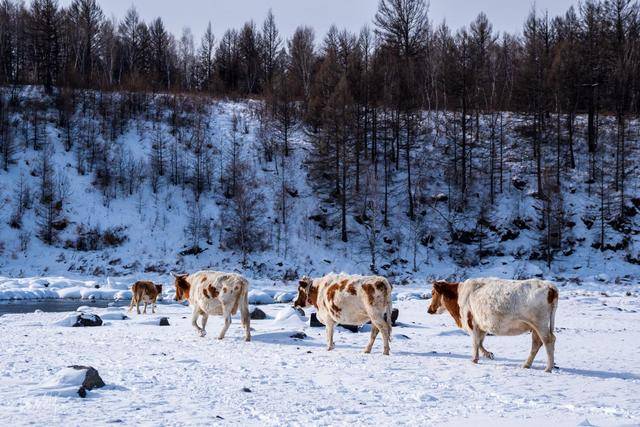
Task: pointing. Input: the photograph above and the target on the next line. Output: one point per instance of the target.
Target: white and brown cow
(215, 293)
(349, 300)
(146, 292)
(501, 307)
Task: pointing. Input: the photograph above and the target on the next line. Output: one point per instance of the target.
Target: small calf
(501, 307)
(349, 300)
(146, 292)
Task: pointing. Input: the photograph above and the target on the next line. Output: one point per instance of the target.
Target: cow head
(444, 297)
(307, 294)
(158, 289)
(182, 286)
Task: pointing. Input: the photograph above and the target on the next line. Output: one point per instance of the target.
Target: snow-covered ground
(170, 376)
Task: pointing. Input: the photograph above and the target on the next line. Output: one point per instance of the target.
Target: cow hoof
(331, 347)
(526, 366)
(489, 355)
(549, 370)
(474, 361)
(203, 334)
(367, 351)
(385, 353)
(247, 339)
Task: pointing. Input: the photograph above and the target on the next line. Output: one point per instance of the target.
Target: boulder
(258, 314)
(87, 320)
(509, 234)
(91, 379)
(315, 323)
(299, 336)
(164, 321)
(519, 183)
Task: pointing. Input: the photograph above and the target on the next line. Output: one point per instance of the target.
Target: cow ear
(446, 289)
(439, 287)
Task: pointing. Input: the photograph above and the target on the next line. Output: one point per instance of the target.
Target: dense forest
(563, 96)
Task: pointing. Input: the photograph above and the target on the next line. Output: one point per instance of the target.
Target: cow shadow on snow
(517, 364)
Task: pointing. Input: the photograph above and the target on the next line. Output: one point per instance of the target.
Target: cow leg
(486, 353)
(330, 326)
(194, 322)
(226, 313)
(549, 344)
(205, 317)
(131, 304)
(145, 307)
(372, 339)
(153, 307)
(477, 336)
(385, 330)
(138, 306)
(536, 343)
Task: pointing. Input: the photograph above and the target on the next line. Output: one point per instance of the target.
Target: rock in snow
(259, 297)
(257, 314)
(79, 320)
(164, 321)
(72, 381)
(87, 319)
(91, 379)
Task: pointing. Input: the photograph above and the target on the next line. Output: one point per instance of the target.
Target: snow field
(170, 376)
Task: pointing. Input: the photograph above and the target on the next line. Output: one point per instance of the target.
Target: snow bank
(64, 383)
(257, 297)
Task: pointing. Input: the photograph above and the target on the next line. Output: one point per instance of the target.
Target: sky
(506, 15)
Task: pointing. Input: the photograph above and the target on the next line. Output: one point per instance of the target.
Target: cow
(146, 292)
(350, 300)
(215, 293)
(501, 307)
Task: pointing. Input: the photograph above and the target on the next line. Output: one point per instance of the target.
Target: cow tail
(552, 317)
(244, 304)
(389, 311)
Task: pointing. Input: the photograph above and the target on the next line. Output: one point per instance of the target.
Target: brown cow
(146, 292)
(349, 300)
(215, 293)
(501, 307)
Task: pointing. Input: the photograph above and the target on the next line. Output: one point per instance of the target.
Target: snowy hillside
(117, 216)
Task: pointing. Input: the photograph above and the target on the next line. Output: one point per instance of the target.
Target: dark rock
(290, 275)
(466, 237)
(440, 197)
(194, 250)
(629, 210)
(521, 224)
(588, 222)
(300, 311)
(87, 320)
(91, 380)
(315, 323)
(509, 234)
(519, 183)
(426, 240)
(164, 321)
(299, 336)
(394, 316)
(246, 389)
(258, 314)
